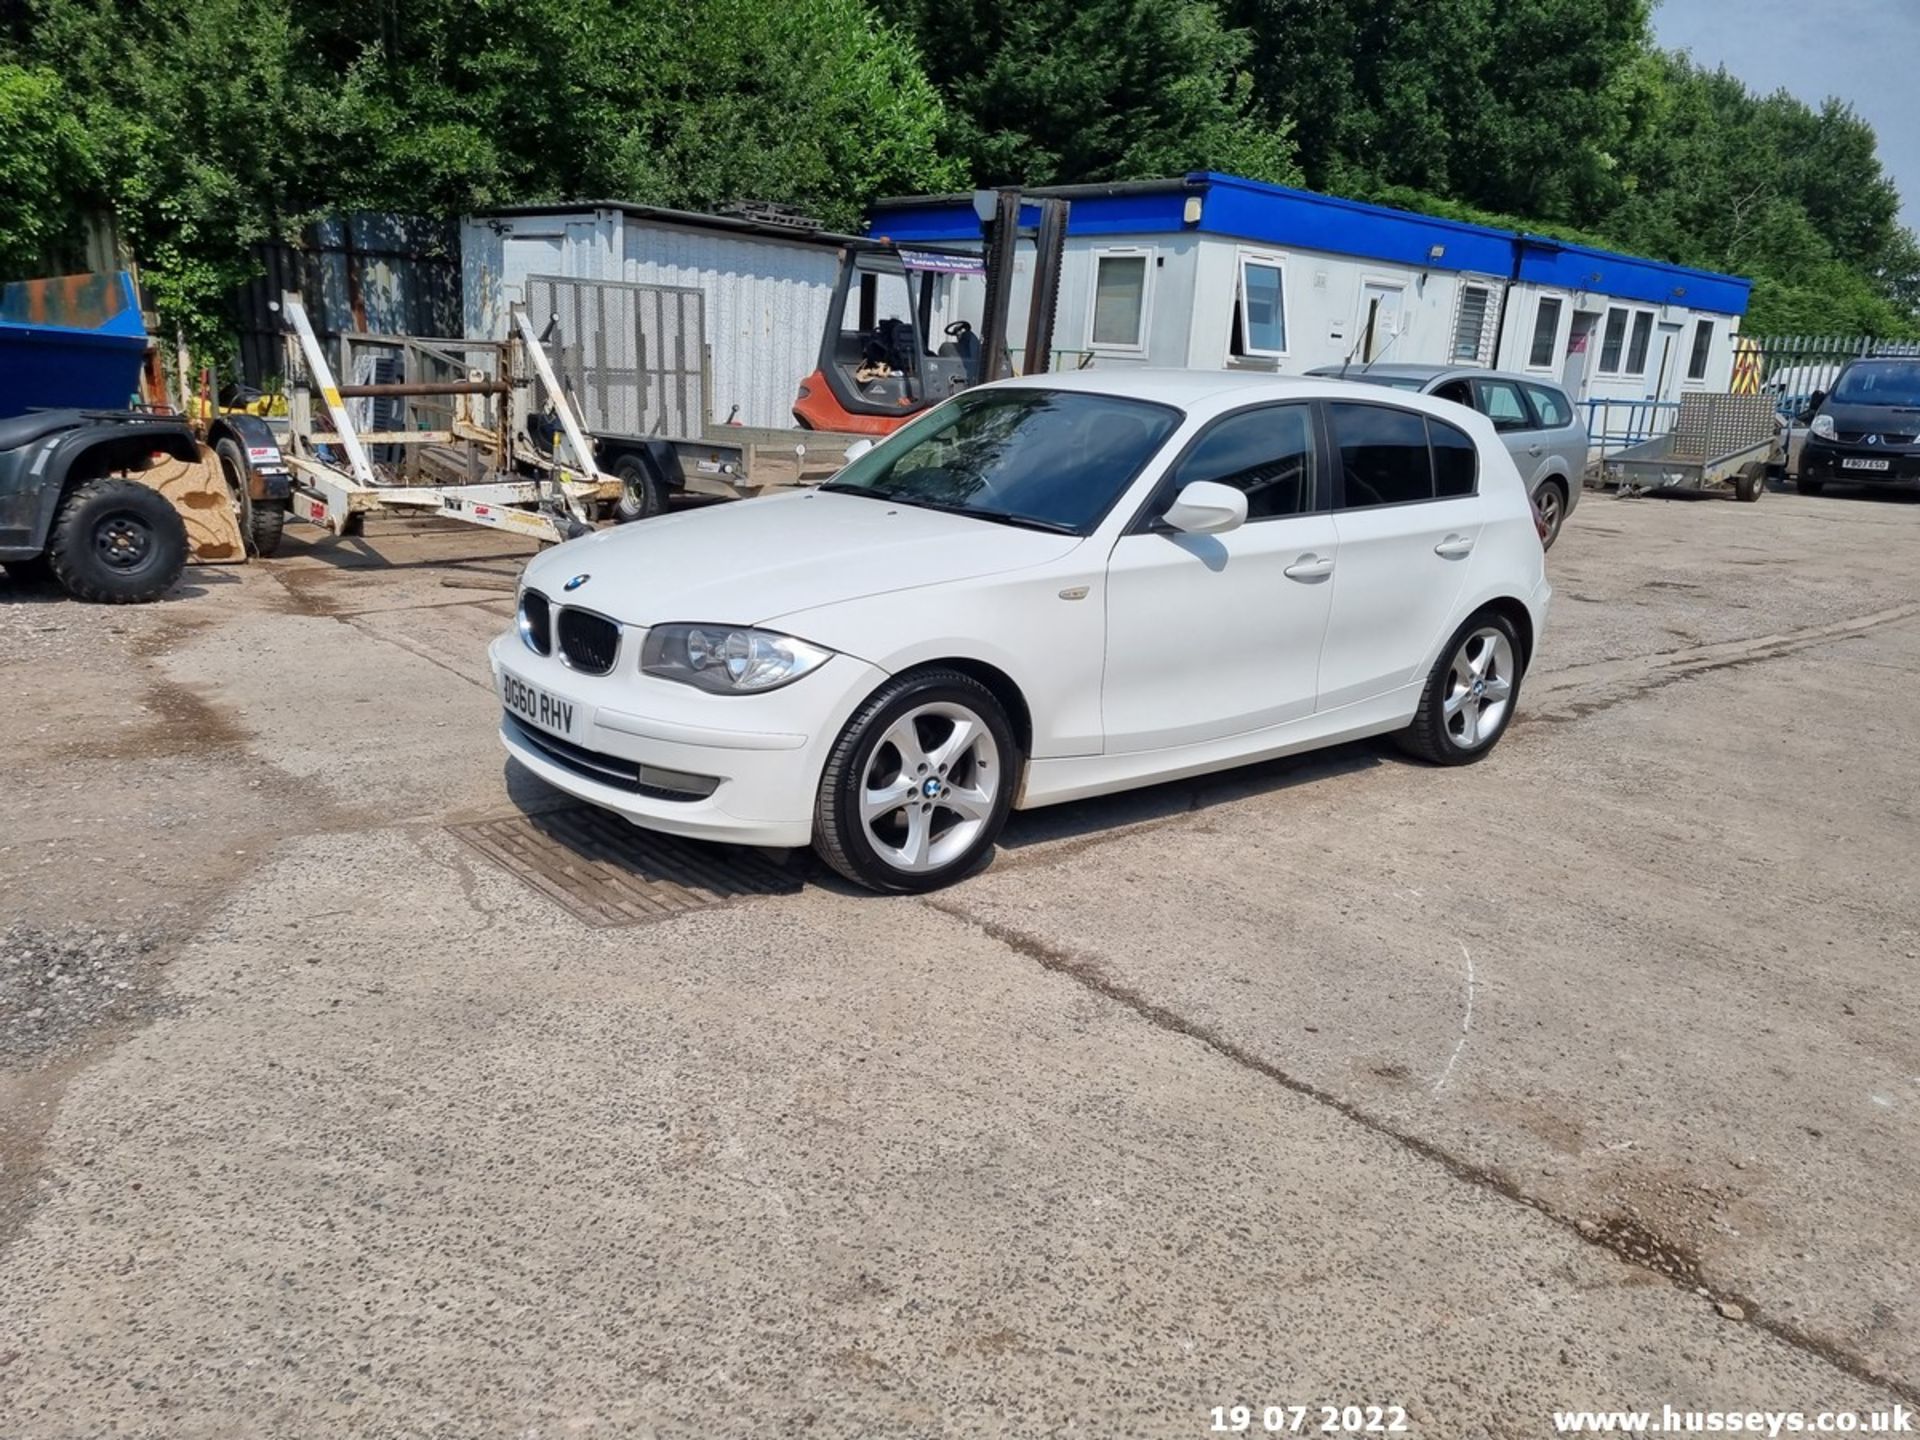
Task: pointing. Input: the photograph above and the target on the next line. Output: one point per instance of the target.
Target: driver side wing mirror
(1206, 507)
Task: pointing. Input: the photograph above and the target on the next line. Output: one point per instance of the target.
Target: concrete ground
(1585, 1078)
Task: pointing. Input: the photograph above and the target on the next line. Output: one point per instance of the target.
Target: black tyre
(1810, 487)
(1551, 501)
(918, 785)
(117, 542)
(641, 493)
(1752, 482)
(1470, 695)
(261, 521)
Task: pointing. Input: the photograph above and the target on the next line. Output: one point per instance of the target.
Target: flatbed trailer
(1718, 442)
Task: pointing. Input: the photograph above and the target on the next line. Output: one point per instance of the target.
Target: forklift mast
(881, 370)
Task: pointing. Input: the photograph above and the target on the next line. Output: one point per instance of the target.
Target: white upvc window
(1121, 302)
(1259, 307)
(1625, 340)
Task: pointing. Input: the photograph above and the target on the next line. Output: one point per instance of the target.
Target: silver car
(1539, 424)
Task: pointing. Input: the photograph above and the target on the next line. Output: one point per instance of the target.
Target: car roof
(1408, 370)
(1176, 387)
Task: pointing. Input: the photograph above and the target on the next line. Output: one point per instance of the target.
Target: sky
(1867, 52)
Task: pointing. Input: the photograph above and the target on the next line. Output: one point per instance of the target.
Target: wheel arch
(998, 683)
(96, 451)
(1515, 612)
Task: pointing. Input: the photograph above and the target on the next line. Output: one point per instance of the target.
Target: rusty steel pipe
(426, 387)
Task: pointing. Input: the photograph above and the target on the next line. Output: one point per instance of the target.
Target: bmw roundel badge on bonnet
(576, 582)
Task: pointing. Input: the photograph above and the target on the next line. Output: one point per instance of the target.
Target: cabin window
(1546, 330)
(1470, 324)
(1702, 348)
(1260, 308)
(1637, 346)
(1119, 318)
(1613, 340)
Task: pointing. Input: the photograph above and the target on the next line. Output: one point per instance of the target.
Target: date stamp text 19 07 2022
(1309, 1420)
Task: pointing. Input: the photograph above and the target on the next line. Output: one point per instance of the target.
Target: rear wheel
(117, 542)
(1752, 482)
(918, 785)
(261, 522)
(1470, 694)
(641, 493)
(1551, 501)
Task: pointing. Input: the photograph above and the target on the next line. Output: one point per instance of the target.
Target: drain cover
(608, 872)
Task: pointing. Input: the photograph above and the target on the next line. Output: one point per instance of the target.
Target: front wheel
(1470, 694)
(1810, 487)
(918, 784)
(117, 542)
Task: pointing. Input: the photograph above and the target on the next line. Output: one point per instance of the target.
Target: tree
(1056, 91)
(48, 173)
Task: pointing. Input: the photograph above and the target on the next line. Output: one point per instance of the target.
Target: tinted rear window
(1552, 406)
(1391, 457)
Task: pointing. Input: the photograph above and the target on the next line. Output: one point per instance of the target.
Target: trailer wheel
(641, 493)
(1752, 482)
(117, 542)
(261, 521)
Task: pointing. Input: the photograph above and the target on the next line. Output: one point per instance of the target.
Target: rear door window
(1501, 402)
(1382, 455)
(1394, 457)
(1551, 406)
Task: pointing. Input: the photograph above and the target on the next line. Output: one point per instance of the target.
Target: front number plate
(1852, 464)
(536, 706)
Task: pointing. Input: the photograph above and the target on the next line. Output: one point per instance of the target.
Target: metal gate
(634, 356)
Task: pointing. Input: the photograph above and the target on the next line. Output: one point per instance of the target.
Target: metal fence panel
(634, 356)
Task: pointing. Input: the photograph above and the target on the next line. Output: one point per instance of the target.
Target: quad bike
(70, 512)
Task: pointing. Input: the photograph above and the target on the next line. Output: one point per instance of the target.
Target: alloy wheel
(929, 786)
(1479, 688)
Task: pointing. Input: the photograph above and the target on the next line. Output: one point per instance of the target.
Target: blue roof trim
(1628, 277)
(1280, 215)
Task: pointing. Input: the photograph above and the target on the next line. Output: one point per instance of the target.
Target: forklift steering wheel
(958, 328)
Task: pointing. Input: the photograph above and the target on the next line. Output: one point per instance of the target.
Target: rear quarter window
(1553, 408)
(1394, 457)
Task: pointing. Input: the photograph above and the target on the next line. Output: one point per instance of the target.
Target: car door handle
(1454, 546)
(1535, 449)
(1310, 567)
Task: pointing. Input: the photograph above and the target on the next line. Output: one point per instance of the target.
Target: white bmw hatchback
(1042, 590)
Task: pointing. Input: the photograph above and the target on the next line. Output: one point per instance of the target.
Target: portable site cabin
(739, 331)
(1212, 271)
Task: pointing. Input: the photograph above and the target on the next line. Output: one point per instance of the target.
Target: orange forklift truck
(878, 372)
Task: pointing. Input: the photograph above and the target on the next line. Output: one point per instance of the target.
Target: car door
(1218, 635)
(1407, 518)
(1562, 438)
(1502, 402)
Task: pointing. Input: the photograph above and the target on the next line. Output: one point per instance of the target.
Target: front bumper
(1826, 461)
(645, 748)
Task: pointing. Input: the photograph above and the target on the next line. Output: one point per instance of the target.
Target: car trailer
(547, 489)
(336, 485)
(1718, 442)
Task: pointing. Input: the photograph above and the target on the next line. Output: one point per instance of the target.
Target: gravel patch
(58, 987)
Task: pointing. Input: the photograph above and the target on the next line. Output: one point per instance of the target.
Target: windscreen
(1048, 459)
(1881, 382)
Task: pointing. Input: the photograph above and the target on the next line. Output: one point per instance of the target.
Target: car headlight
(728, 659)
(1823, 426)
